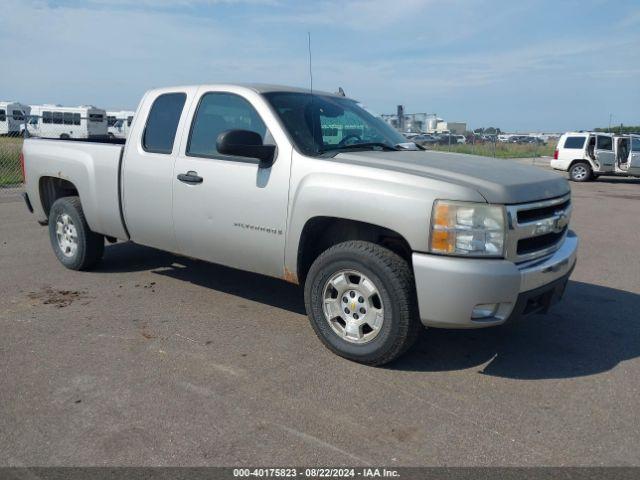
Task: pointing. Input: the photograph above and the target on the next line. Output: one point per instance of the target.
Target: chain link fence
(502, 146)
(10, 168)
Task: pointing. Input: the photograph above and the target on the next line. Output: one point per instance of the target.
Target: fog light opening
(484, 310)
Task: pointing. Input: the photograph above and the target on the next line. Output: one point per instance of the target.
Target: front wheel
(75, 245)
(580, 172)
(360, 298)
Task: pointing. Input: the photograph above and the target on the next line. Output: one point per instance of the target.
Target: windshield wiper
(366, 146)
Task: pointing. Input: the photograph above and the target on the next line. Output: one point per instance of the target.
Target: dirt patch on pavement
(57, 298)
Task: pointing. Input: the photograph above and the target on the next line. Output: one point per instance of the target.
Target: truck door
(604, 153)
(147, 171)
(634, 156)
(230, 210)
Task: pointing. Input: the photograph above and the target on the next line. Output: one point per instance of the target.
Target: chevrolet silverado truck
(312, 188)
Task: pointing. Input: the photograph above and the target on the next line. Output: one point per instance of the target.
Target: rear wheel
(64, 136)
(361, 302)
(75, 245)
(580, 172)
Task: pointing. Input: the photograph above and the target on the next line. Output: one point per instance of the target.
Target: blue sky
(535, 65)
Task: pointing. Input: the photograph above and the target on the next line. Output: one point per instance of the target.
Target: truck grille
(533, 214)
(537, 229)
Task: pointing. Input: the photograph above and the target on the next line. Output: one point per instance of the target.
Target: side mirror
(244, 143)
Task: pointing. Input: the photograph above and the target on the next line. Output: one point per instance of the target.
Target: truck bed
(92, 167)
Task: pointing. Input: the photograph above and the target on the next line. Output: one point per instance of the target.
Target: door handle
(190, 177)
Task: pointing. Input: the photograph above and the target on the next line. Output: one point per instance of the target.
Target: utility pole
(610, 118)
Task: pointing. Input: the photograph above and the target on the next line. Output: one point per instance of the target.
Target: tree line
(620, 129)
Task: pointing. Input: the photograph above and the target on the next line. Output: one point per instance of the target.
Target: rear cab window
(162, 123)
(574, 142)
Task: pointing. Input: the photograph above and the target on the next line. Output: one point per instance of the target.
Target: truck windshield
(322, 124)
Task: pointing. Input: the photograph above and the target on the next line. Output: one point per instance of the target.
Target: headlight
(465, 228)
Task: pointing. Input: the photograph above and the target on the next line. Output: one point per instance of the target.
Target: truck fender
(402, 208)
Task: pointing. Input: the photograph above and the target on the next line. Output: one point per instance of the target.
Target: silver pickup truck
(314, 189)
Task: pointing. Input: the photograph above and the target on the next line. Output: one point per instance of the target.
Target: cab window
(219, 112)
(162, 123)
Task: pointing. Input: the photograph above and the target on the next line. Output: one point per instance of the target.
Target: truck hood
(498, 181)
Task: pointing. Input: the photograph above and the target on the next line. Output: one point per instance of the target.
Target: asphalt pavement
(156, 359)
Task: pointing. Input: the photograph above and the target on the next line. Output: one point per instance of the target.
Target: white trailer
(56, 121)
(119, 123)
(12, 116)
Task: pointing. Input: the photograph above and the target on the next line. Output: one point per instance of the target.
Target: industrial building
(422, 123)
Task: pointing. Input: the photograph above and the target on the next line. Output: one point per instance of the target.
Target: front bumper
(449, 288)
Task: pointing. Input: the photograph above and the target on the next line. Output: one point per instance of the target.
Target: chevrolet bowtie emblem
(560, 222)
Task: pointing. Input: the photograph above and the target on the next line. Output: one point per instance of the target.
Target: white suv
(587, 155)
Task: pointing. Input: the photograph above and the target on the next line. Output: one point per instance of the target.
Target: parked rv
(56, 121)
(587, 155)
(12, 115)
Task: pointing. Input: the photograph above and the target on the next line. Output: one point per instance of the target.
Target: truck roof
(266, 88)
(256, 87)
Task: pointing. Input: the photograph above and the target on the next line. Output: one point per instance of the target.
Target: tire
(75, 245)
(393, 307)
(580, 172)
(64, 136)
